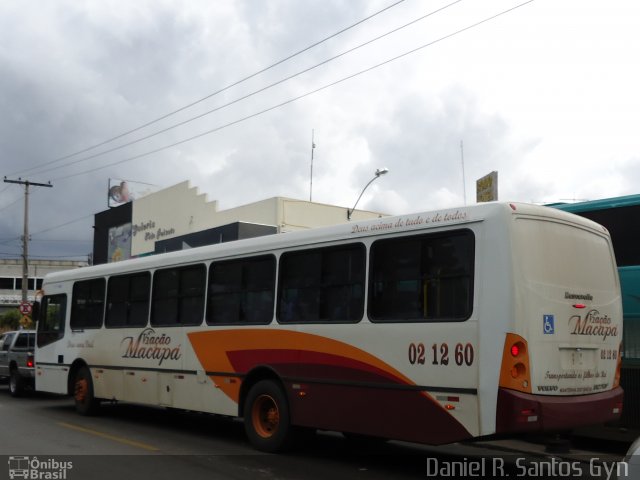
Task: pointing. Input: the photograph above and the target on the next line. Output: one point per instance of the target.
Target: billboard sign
(119, 247)
(487, 188)
(123, 191)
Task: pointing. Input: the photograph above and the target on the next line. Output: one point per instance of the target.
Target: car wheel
(16, 384)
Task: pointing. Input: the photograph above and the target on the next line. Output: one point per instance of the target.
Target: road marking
(114, 438)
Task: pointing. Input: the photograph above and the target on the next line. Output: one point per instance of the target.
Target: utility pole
(25, 237)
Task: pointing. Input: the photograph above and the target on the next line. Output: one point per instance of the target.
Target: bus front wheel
(86, 403)
(266, 417)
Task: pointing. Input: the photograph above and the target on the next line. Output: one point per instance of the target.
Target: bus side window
(128, 300)
(242, 291)
(53, 312)
(178, 296)
(422, 278)
(87, 309)
(322, 285)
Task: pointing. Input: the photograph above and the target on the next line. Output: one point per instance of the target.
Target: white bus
(434, 328)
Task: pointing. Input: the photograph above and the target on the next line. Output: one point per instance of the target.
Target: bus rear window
(422, 278)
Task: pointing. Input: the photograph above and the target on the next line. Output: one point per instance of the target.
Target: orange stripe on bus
(215, 350)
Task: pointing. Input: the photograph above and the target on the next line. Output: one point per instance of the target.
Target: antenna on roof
(464, 185)
(313, 146)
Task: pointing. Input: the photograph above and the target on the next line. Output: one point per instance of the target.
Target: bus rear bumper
(524, 412)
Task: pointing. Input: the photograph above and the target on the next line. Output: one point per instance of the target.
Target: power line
(65, 240)
(9, 241)
(47, 257)
(251, 94)
(62, 225)
(299, 97)
(488, 19)
(10, 204)
(12, 239)
(217, 92)
(57, 257)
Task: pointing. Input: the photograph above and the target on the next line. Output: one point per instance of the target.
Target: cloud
(553, 114)
(419, 140)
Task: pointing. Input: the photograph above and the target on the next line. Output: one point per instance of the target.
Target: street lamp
(379, 171)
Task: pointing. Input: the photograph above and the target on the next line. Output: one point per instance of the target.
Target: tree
(11, 319)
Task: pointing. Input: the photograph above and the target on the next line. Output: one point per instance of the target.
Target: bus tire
(266, 417)
(16, 383)
(86, 402)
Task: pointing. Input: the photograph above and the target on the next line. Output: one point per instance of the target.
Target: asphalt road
(125, 442)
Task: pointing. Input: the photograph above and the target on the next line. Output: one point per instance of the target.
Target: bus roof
(347, 231)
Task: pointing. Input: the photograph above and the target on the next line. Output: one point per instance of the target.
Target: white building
(11, 278)
(181, 213)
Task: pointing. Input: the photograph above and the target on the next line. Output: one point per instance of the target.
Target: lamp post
(379, 171)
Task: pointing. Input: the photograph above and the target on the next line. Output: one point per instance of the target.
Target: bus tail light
(518, 370)
(450, 399)
(515, 373)
(529, 415)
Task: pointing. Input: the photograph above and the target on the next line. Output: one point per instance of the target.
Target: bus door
(51, 364)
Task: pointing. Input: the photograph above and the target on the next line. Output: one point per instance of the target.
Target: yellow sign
(487, 188)
(26, 322)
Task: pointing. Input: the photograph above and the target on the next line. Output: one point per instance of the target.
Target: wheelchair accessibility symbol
(549, 326)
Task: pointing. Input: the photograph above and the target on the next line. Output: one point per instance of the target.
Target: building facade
(11, 278)
(180, 217)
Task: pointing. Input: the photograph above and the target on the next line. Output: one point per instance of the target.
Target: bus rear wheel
(266, 417)
(86, 403)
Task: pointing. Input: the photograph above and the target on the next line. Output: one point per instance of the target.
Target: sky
(228, 94)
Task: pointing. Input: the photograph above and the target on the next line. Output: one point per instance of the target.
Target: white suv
(16, 359)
